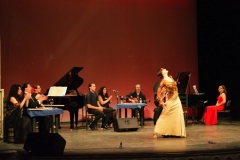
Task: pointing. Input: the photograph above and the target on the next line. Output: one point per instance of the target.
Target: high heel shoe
(201, 121)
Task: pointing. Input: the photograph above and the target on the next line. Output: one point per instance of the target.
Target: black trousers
(112, 116)
(44, 124)
(157, 111)
(140, 111)
(99, 114)
(21, 129)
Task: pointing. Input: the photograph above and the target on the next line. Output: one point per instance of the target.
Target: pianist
(35, 101)
(94, 108)
(210, 114)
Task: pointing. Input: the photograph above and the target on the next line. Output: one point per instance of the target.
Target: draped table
(131, 105)
(46, 111)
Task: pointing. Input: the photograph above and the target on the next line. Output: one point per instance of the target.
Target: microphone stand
(117, 96)
(119, 110)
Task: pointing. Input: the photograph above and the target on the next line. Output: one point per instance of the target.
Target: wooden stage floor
(203, 142)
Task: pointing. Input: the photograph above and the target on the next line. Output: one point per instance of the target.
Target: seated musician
(104, 99)
(93, 107)
(36, 91)
(35, 101)
(135, 97)
(210, 114)
(16, 115)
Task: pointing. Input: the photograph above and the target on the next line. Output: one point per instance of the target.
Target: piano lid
(70, 80)
(182, 82)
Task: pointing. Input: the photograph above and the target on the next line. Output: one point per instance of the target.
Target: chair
(184, 100)
(8, 132)
(227, 109)
(89, 117)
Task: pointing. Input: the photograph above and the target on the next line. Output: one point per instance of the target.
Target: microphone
(115, 91)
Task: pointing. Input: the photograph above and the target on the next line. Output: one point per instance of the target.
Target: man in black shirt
(43, 121)
(94, 108)
(137, 97)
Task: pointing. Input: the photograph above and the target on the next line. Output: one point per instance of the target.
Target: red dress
(210, 114)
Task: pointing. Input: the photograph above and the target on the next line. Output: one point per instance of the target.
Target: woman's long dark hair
(100, 92)
(14, 93)
(159, 73)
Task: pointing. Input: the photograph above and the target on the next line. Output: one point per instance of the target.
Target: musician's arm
(38, 96)
(16, 103)
(92, 107)
(101, 101)
(224, 100)
(33, 104)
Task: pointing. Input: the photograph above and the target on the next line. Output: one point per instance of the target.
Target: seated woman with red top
(210, 114)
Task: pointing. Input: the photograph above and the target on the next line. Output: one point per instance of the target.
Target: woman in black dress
(104, 100)
(16, 114)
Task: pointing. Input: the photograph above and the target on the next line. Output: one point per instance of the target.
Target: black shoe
(92, 127)
(201, 121)
(76, 127)
(104, 126)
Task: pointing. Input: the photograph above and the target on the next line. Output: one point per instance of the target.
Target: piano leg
(76, 117)
(73, 111)
(194, 115)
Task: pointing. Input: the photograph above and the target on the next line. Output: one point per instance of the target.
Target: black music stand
(183, 79)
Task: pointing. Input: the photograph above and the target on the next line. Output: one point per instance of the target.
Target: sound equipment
(125, 124)
(44, 144)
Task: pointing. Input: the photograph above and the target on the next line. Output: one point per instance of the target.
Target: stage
(203, 142)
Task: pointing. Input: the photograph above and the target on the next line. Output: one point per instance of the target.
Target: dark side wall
(119, 43)
(218, 24)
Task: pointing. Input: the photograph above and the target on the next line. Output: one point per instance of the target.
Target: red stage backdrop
(119, 43)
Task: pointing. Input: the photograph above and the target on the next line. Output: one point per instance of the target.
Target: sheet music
(195, 89)
(57, 91)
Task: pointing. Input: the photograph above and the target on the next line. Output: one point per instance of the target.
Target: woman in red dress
(210, 115)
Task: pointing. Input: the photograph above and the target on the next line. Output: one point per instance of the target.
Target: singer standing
(171, 121)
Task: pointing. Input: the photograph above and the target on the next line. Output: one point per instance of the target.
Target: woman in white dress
(171, 121)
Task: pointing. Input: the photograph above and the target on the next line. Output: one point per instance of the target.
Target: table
(47, 111)
(54, 105)
(131, 105)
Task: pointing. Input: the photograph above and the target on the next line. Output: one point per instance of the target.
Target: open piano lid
(182, 82)
(70, 80)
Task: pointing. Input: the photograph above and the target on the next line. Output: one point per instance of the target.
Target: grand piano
(195, 100)
(73, 100)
